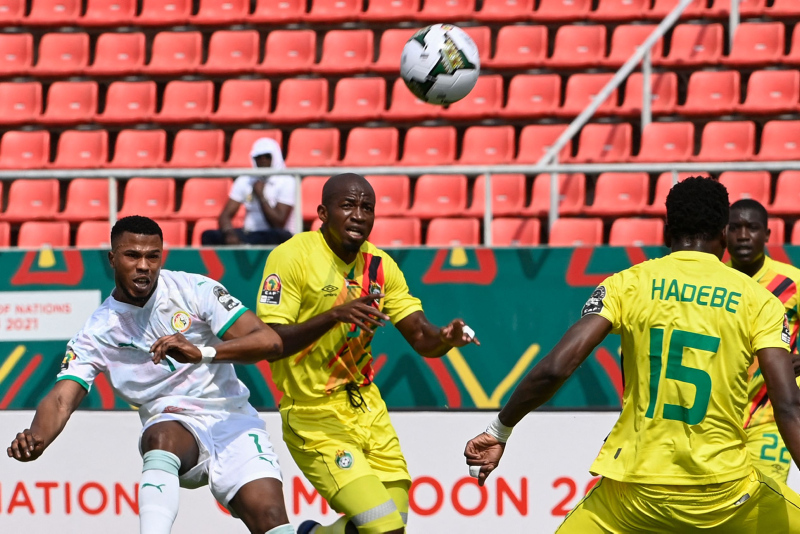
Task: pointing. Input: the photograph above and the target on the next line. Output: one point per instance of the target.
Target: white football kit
(208, 399)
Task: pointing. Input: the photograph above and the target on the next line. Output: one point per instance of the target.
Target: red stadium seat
(626, 39)
(175, 53)
(636, 232)
(70, 103)
(482, 37)
(79, 149)
(390, 49)
(346, 52)
(12, 12)
(576, 233)
(358, 100)
(535, 140)
(396, 232)
(221, 12)
(392, 194)
(25, 150)
(20, 102)
(581, 90)
(520, 47)
(727, 141)
(667, 141)
(513, 232)
(318, 147)
(533, 95)
(619, 194)
(793, 57)
(203, 197)
(150, 197)
(290, 52)
(663, 185)
(771, 92)
(277, 11)
(311, 193)
(612, 10)
(331, 11)
(434, 145)
(93, 234)
(405, 106)
(571, 194)
(664, 94)
(118, 54)
(62, 54)
(484, 101)
(780, 141)
(31, 200)
(129, 103)
(198, 148)
(508, 195)
(662, 8)
(757, 43)
(439, 195)
(578, 47)
(109, 13)
(87, 199)
(301, 101)
(140, 149)
(242, 142)
(449, 10)
(17, 56)
(505, 11)
(787, 194)
(712, 93)
(201, 226)
(446, 232)
(390, 10)
(54, 13)
(488, 145)
(562, 10)
(243, 101)
(777, 231)
(695, 44)
(783, 8)
(232, 52)
(164, 13)
(186, 102)
(43, 234)
(174, 233)
(371, 147)
(747, 8)
(747, 184)
(605, 143)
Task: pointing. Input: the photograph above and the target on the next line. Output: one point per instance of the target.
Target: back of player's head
(753, 205)
(136, 224)
(697, 207)
(341, 183)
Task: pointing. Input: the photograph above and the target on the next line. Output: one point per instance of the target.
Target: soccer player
(325, 293)
(747, 234)
(690, 327)
(166, 341)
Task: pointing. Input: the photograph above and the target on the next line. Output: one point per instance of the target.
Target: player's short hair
(697, 207)
(754, 205)
(136, 224)
(336, 183)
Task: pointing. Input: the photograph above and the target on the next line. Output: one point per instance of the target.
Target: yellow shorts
(334, 444)
(768, 452)
(755, 504)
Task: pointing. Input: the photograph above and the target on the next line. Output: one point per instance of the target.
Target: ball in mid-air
(440, 64)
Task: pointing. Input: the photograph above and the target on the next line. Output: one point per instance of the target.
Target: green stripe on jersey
(230, 322)
(80, 381)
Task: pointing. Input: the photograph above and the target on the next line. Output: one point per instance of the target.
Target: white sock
(283, 529)
(158, 492)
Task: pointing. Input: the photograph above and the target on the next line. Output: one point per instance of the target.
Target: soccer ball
(440, 64)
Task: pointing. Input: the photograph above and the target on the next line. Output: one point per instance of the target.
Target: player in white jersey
(166, 342)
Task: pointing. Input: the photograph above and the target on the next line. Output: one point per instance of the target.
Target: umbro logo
(330, 291)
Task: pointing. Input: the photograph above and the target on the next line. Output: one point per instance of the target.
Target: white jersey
(278, 189)
(116, 341)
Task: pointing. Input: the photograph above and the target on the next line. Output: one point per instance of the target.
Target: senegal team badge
(181, 321)
(68, 357)
(344, 459)
(271, 291)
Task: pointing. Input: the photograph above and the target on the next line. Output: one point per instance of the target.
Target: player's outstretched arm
(51, 416)
(777, 368)
(429, 340)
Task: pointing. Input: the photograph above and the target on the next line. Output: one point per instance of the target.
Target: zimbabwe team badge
(344, 459)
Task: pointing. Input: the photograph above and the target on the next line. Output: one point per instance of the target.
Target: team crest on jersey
(595, 302)
(786, 335)
(181, 321)
(344, 459)
(271, 291)
(225, 298)
(68, 357)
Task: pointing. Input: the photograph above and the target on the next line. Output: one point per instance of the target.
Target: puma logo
(131, 345)
(158, 487)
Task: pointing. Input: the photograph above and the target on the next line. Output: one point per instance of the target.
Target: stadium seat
(198, 148)
(221, 12)
(508, 195)
(605, 143)
(519, 47)
(358, 100)
(793, 57)
(277, 12)
(663, 185)
(536, 139)
(694, 45)
(62, 54)
(164, 13)
(780, 141)
(118, 54)
(203, 197)
(150, 197)
(626, 39)
(200, 226)
(242, 142)
(576, 233)
(174, 233)
(333, 11)
(31, 200)
(515, 232)
(578, 47)
(17, 56)
(346, 52)
(505, 11)
(439, 195)
(727, 141)
(390, 10)
(392, 194)
(636, 232)
(87, 199)
(664, 94)
(5, 234)
(243, 101)
(313, 147)
(771, 92)
(301, 101)
(290, 52)
(93, 234)
(662, 8)
(757, 43)
(712, 93)
(129, 103)
(562, 10)
(487, 145)
(619, 194)
(483, 101)
(12, 12)
(532, 95)
(82, 149)
(36, 234)
(447, 232)
(175, 53)
(482, 37)
(371, 147)
(110, 13)
(747, 8)
(787, 194)
(450, 10)
(434, 145)
(390, 49)
(620, 10)
(20, 102)
(777, 231)
(666, 141)
(186, 102)
(311, 193)
(581, 90)
(396, 232)
(140, 149)
(231, 52)
(70, 103)
(25, 150)
(571, 194)
(783, 8)
(747, 184)
(405, 106)
(54, 13)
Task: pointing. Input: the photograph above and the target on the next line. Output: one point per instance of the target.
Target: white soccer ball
(440, 64)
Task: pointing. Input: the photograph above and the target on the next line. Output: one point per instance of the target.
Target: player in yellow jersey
(325, 293)
(690, 328)
(748, 232)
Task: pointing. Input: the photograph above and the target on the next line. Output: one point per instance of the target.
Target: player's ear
(322, 213)
(111, 258)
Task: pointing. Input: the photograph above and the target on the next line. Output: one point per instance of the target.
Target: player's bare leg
(260, 505)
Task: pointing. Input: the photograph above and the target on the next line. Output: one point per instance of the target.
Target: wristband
(207, 354)
(499, 431)
(470, 333)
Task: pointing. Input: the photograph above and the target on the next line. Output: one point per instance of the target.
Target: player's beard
(139, 300)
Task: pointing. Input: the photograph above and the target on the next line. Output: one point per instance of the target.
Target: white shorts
(234, 449)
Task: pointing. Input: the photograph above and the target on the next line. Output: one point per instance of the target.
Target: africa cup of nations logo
(271, 290)
(344, 459)
(181, 321)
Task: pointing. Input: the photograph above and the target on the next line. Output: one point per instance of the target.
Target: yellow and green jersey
(690, 328)
(304, 278)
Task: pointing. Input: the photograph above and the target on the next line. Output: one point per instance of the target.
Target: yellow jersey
(304, 278)
(690, 328)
